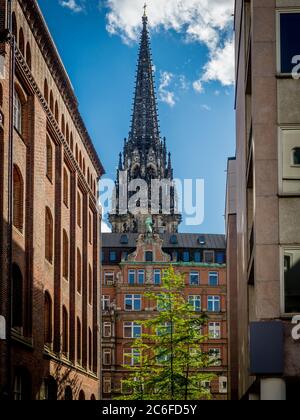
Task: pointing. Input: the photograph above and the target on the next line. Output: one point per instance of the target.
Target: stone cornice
(51, 56)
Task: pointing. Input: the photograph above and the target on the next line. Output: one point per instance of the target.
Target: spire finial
(145, 10)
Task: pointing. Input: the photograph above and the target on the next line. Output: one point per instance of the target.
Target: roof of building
(176, 240)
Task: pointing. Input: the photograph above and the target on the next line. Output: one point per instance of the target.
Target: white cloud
(204, 21)
(205, 107)
(73, 5)
(164, 93)
(198, 86)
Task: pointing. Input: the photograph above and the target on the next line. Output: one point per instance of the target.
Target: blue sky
(194, 71)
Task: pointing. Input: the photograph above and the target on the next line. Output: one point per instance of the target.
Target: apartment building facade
(50, 220)
(267, 195)
(133, 264)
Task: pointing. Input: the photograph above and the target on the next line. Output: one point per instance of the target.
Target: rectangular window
(209, 257)
(133, 303)
(197, 257)
(107, 357)
(90, 228)
(141, 277)
(132, 330)
(214, 304)
(215, 357)
(106, 385)
(79, 209)
(131, 277)
(131, 357)
(292, 281)
(220, 257)
(214, 330)
(186, 256)
(289, 24)
(223, 388)
(195, 302)
(149, 256)
(105, 303)
(213, 278)
(164, 330)
(112, 256)
(107, 330)
(157, 277)
(194, 279)
(109, 279)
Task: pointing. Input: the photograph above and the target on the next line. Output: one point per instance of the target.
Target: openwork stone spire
(145, 156)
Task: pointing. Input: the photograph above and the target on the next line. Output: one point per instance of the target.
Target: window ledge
(25, 341)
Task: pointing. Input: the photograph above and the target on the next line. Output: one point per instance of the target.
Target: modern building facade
(50, 220)
(267, 198)
(144, 244)
(132, 265)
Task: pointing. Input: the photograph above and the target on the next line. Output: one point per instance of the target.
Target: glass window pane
(289, 40)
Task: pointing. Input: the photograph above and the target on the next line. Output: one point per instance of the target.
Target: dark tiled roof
(185, 240)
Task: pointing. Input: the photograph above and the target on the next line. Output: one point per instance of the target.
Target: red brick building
(49, 225)
(133, 264)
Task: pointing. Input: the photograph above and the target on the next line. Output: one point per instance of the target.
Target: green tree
(169, 362)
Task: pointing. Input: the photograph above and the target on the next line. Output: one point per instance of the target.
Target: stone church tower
(145, 157)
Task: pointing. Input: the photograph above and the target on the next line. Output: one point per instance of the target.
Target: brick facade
(119, 259)
(48, 117)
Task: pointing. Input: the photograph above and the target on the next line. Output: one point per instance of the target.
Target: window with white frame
(195, 302)
(214, 330)
(109, 278)
(106, 385)
(215, 357)
(194, 278)
(132, 330)
(107, 357)
(164, 329)
(291, 280)
(288, 44)
(105, 303)
(213, 278)
(223, 388)
(131, 277)
(209, 257)
(17, 112)
(214, 304)
(157, 277)
(133, 302)
(141, 277)
(131, 357)
(107, 329)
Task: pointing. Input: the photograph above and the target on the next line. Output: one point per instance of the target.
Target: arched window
(79, 271)
(90, 350)
(49, 160)
(80, 160)
(22, 386)
(65, 333)
(68, 133)
(63, 126)
(90, 285)
(76, 153)
(79, 341)
(90, 228)
(18, 199)
(296, 156)
(17, 112)
(47, 319)
(93, 398)
(65, 255)
(88, 176)
(17, 297)
(95, 190)
(66, 187)
(28, 55)
(72, 142)
(48, 236)
(79, 206)
(51, 102)
(46, 91)
(21, 42)
(81, 396)
(14, 26)
(83, 166)
(56, 112)
(68, 394)
(50, 389)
